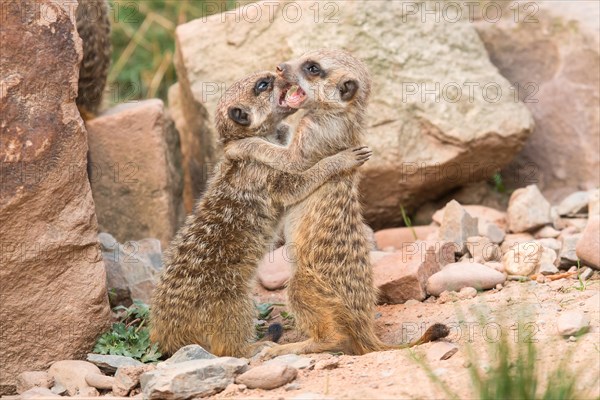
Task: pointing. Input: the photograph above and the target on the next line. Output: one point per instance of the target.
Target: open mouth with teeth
(292, 96)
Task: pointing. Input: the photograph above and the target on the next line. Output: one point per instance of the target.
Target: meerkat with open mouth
(204, 294)
(331, 292)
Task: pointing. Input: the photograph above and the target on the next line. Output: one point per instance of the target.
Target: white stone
(267, 377)
(459, 275)
(527, 210)
(522, 259)
(457, 225)
(573, 204)
(572, 322)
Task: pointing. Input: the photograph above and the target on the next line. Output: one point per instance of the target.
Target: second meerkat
(204, 294)
(331, 293)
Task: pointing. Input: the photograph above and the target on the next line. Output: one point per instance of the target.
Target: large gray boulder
(440, 116)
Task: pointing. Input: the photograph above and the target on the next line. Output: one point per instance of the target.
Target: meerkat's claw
(361, 148)
(363, 156)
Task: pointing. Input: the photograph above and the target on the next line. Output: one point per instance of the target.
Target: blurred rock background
(468, 103)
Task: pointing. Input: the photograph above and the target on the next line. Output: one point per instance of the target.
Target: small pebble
(267, 376)
(31, 379)
(58, 389)
(586, 274)
(441, 351)
(467, 293)
(548, 268)
(572, 322)
(231, 389)
(447, 296)
(331, 363)
(38, 392)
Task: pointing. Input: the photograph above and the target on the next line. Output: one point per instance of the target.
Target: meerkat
(93, 26)
(204, 293)
(331, 292)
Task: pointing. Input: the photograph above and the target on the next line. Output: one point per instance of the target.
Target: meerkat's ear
(348, 89)
(239, 116)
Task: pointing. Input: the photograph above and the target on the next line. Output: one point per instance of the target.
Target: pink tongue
(294, 97)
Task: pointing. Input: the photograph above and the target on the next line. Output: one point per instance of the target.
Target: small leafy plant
(498, 183)
(265, 311)
(130, 336)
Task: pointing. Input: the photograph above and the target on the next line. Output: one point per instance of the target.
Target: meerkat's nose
(281, 68)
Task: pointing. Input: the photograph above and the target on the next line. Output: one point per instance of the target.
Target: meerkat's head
(251, 107)
(328, 80)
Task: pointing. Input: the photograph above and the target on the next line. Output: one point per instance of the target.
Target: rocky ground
(540, 311)
(537, 308)
(527, 274)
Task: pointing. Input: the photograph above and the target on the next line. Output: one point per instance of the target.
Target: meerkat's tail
(434, 332)
(274, 333)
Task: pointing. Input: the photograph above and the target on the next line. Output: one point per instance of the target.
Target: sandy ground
(528, 308)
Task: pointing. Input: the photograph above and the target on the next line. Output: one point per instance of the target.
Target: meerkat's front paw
(362, 154)
(354, 157)
(234, 151)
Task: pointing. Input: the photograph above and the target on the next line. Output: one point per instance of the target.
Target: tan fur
(204, 295)
(93, 26)
(331, 293)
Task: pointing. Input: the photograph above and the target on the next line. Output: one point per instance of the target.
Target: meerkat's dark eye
(262, 85)
(313, 69)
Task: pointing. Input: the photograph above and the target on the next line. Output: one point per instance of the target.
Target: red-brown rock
(53, 301)
(588, 247)
(403, 275)
(400, 237)
(135, 172)
(548, 57)
(197, 155)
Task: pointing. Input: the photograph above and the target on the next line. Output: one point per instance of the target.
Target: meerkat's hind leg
(314, 307)
(228, 343)
(305, 347)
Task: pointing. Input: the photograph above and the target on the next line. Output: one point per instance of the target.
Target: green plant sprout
(408, 222)
(130, 336)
